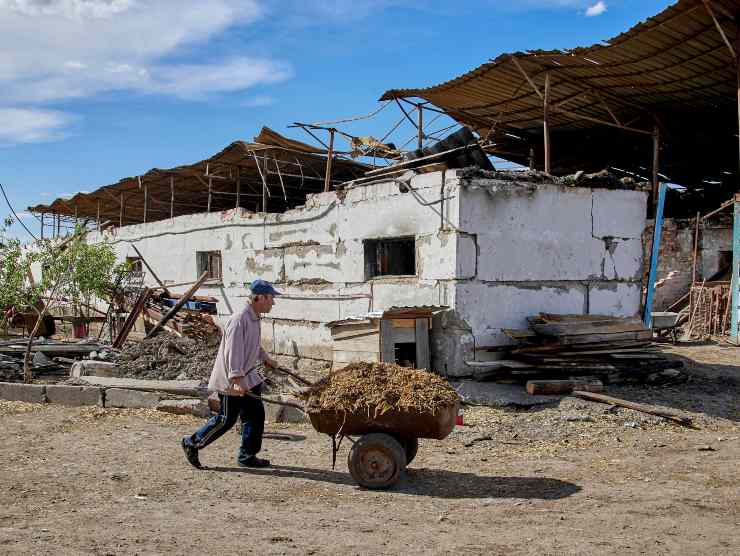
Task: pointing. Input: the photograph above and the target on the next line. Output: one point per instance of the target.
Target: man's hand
(235, 387)
(271, 363)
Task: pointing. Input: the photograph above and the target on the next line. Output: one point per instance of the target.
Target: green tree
(72, 271)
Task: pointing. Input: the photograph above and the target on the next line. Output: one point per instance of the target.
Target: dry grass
(377, 388)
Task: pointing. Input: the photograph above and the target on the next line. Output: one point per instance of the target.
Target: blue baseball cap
(262, 287)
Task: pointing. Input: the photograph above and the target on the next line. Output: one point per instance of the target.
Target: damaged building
(475, 251)
(485, 248)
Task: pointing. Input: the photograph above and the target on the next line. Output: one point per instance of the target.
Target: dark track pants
(252, 414)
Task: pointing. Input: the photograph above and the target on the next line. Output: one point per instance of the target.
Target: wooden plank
(572, 329)
(169, 327)
(149, 268)
(347, 356)
(519, 334)
(387, 347)
(560, 348)
(369, 342)
(128, 324)
(636, 356)
(353, 330)
(423, 359)
(632, 405)
(402, 323)
(646, 349)
(597, 338)
(548, 387)
(403, 335)
(552, 317)
(54, 348)
(500, 364)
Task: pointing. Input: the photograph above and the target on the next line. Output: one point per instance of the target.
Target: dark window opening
(405, 354)
(210, 262)
(134, 264)
(390, 257)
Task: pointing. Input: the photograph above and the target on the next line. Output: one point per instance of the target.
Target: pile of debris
(166, 357)
(377, 388)
(11, 369)
(584, 348)
(193, 320)
(603, 179)
(49, 358)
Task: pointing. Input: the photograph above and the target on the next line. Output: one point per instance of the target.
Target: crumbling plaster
(494, 256)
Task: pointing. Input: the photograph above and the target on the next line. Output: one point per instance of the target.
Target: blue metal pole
(735, 279)
(648, 315)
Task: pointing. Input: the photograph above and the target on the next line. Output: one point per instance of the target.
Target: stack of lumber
(609, 349)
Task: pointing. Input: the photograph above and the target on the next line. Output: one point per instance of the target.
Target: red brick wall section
(675, 260)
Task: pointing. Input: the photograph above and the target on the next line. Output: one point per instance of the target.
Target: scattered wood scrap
(177, 306)
(571, 347)
(550, 387)
(680, 419)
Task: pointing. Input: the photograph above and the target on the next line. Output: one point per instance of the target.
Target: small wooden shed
(397, 335)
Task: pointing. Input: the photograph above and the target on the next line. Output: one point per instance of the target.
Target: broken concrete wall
(315, 256)
(494, 252)
(547, 248)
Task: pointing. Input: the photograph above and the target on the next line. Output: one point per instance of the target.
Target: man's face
(263, 303)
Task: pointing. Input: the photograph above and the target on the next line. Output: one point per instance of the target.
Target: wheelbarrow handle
(294, 375)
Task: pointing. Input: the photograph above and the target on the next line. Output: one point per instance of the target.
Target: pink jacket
(239, 354)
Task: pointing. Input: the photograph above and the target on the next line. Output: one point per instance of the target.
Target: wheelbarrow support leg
(334, 450)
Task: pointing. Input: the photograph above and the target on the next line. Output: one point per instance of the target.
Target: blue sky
(97, 90)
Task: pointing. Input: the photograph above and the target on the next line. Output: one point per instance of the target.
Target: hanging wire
(394, 128)
(16, 216)
(355, 118)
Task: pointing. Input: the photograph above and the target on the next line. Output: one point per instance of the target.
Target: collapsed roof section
(272, 174)
(675, 73)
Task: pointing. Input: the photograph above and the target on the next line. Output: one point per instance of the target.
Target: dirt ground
(577, 478)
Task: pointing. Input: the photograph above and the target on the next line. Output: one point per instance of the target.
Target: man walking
(236, 373)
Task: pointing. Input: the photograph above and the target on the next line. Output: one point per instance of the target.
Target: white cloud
(68, 8)
(59, 49)
(55, 50)
(30, 125)
(596, 9)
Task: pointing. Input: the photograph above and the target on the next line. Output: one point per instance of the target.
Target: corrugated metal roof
(674, 68)
(291, 168)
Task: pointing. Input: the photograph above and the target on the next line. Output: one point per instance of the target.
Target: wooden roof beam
(526, 76)
(708, 6)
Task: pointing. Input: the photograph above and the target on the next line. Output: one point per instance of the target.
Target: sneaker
(254, 461)
(191, 452)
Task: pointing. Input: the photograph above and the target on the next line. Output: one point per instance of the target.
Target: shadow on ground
(712, 389)
(433, 482)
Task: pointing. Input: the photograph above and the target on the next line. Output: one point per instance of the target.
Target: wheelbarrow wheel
(411, 446)
(376, 461)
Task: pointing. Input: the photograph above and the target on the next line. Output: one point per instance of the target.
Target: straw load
(376, 388)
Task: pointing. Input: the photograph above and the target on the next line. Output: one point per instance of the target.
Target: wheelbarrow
(665, 321)
(386, 442)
